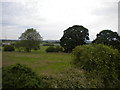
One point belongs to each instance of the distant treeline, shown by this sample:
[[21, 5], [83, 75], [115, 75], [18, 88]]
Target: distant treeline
[[10, 40]]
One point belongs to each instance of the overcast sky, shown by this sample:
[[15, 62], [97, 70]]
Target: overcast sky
[[51, 17]]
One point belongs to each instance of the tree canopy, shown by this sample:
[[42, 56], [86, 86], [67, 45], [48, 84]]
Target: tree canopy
[[108, 37], [30, 39], [74, 36], [31, 34]]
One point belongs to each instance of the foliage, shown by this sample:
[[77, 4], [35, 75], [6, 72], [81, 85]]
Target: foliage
[[48, 44], [74, 36], [30, 39], [99, 61], [20, 76], [50, 49], [40, 61], [8, 48], [71, 78], [59, 49], [18, 46], [108, 37], [51, 64], [54, 49], [37, 48]]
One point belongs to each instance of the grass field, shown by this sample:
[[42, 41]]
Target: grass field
[[39, 61]]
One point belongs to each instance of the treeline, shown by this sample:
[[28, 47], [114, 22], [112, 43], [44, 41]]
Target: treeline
[[79, 35], [72, 37]]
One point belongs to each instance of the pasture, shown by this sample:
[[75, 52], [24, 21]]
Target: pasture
[[40, 61]]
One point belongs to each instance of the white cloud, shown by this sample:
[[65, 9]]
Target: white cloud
[[52, 17]]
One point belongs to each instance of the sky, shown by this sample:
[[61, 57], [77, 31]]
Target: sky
[[119, 17], [51, 17]]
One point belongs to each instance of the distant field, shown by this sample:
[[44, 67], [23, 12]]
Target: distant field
[[39, 61]]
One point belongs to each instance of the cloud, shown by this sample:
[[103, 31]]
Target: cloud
[[52, 17], [17, 13]]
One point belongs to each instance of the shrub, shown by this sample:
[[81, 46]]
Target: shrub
[[48, 44], [20, 76], [59, 49], [99, 61], [8, 48], [71, 78], [37, 48], [50, 49], [54, 49]]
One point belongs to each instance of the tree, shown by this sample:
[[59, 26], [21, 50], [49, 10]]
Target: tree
[[108, 37], [18, 45], [74, 36], [30, 39]]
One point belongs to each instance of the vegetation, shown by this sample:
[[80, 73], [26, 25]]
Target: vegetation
[[48, 44], [71, 78], [59, 49], [8, 48], [20, 76], [108, 37], [51, 49], [68, 78], [99, 61], [18, 46], [74, 36], [56, 71], [39, 61], [30, 39], [91, 66], [54, 49]]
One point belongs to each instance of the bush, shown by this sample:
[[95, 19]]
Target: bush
[[8, 48], [54, 49], [48, 44], [50, 49], [71, 78], [59, 49], [37, 48], [20, 76], [99, 61]]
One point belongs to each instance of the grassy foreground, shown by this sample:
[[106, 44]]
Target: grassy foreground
[[40, 61]]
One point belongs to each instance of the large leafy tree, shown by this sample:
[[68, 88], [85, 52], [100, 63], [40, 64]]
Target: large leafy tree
[[30, 39], [74, 36], [108, 37]]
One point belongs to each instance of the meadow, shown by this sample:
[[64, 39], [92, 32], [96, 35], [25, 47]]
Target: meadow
[[55, 70], [40, 61]]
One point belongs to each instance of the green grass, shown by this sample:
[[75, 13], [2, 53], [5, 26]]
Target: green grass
[[39, 61]]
